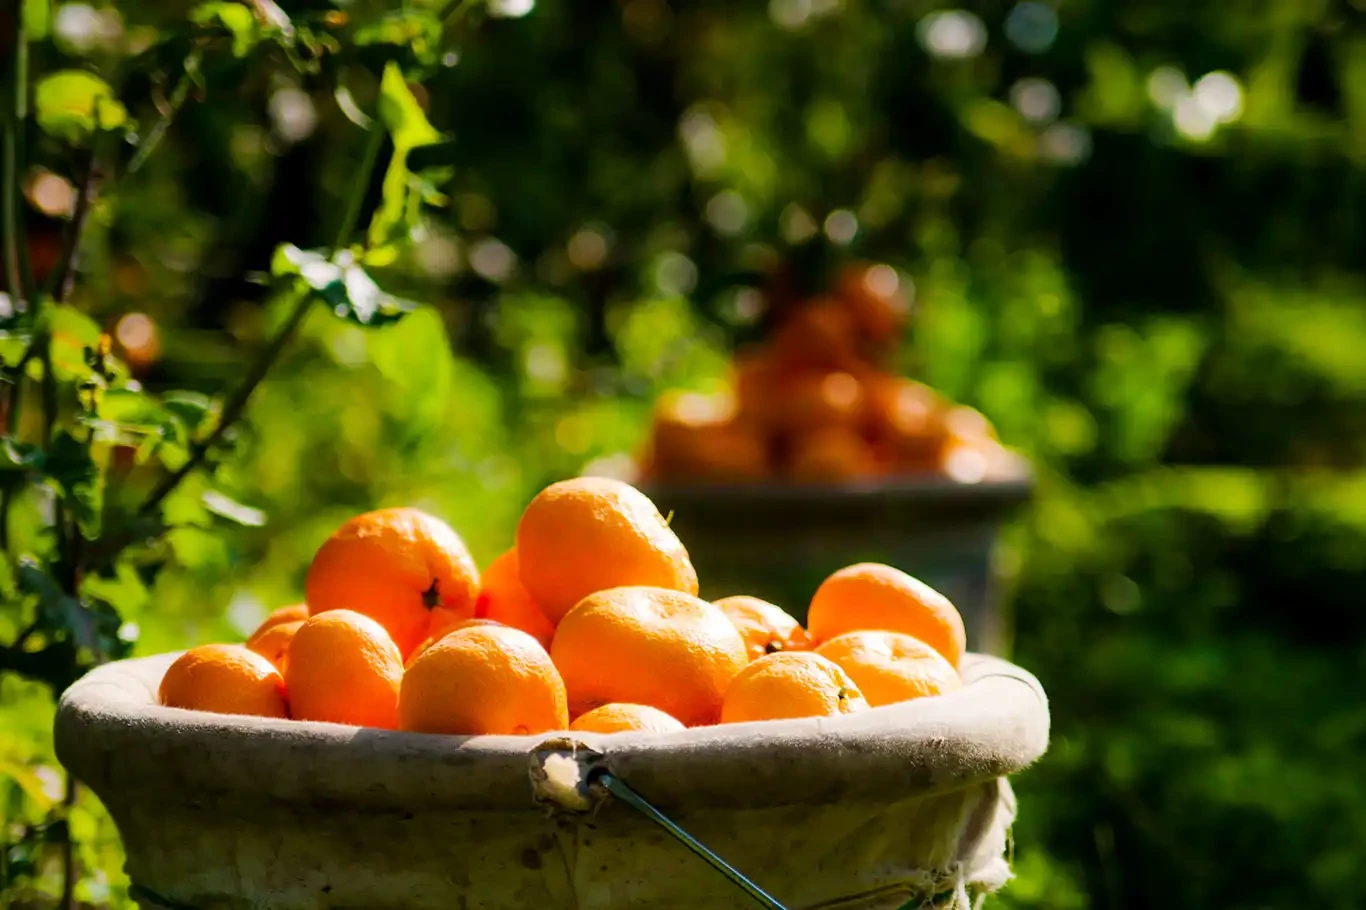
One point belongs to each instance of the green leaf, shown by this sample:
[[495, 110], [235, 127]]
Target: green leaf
[[129, 408], [19, 456], [234, 17], [343, 284], [417, 30], [400, 112], [73, 104], [72, 333], [37, 18], [78, 479], [192, 409]]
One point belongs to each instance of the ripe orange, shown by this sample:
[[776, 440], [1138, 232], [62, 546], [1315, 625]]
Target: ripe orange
[[623, 718], [291, 613], [791, 684], [890, 667], [820, 333], [272, 642], [225, 679], [483, 680], [447, 630], [830, 455], [766, 628], [756, 378], [503, 598], [396, 566], [875, 296], [343, 667], [906, 416], [590, 534], [727, 451], [874, 596], [814, 400], [648, 646]]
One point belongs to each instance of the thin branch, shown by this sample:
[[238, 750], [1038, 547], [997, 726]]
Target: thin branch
[[16, 251], [455, 10], [357, 195], [64, 275], [179, 95], [232, 411]]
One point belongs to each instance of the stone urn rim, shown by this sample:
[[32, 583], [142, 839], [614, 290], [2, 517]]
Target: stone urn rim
[[111, 733]]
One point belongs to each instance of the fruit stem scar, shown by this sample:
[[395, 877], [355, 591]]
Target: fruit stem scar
[[431, 598]]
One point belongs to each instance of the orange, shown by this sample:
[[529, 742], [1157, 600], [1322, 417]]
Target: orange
[[272, 642], [443, 632], [344, 668], [791, 684], [590, 534], [908, 417], [483, 680], [623, 718], [503, 598], [724, 452], [225, 679], [697, 436], [967, 424], [756, 378], [766, 628], [396, 566], [814, 400], [821, 333], [874, 596], [292, 613], [830, 455], [875, 297], [889, 667], [648, 646]]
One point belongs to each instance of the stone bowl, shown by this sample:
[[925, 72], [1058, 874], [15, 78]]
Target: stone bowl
[[897, 805]]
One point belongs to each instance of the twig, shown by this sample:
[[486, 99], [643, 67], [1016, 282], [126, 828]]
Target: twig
[[179, 94], [64, 275], [16, 251], [455, 10], [232, 411], [357, 195]]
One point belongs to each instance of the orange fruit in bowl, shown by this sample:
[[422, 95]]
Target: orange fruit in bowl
[[820, 333], [890, 667], [791, 684], [732, 451], [224, 679], [765, 627], [291, 613], [648, 646], [344, 668], [589, 534], [756, 377], [399, 567], [908, 417], [624, 718], [879, 597], [446, 630], [503, 598], [480, 680], [815, 400], [272, 642], [831, 455], [876, 298]]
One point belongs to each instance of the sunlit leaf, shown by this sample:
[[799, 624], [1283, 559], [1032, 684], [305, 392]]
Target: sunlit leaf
[[19, 456], [73, 104], [78, 480], [236, 18], [415, 29], [401, 113], [343, 284]]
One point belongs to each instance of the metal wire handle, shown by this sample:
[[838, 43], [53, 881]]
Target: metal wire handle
[[621, 791]]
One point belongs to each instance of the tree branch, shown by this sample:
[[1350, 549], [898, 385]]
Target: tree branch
[[64, 275], [16, 251]]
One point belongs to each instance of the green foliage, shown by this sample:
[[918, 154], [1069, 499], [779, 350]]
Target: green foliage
[[73, 105]]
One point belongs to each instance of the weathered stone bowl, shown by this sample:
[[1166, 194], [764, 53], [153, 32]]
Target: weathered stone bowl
[[780, 540], [894, 806]]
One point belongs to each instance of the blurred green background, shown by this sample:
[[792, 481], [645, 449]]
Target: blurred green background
[[1135, 234]]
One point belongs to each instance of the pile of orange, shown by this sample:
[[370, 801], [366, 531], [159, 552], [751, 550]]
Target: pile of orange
[[816, 404], [590, 622]]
